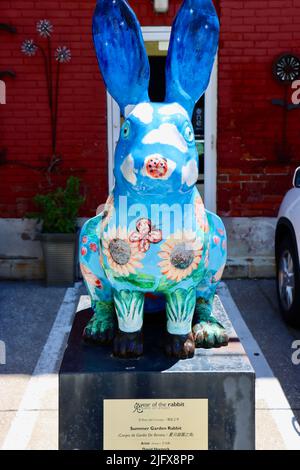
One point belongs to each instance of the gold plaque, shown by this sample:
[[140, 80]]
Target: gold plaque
[[175, 424]]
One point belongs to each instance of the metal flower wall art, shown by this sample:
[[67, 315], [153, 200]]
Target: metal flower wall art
[[61, 55], [154, 246]]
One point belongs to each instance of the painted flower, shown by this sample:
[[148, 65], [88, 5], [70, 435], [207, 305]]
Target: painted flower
[[145, 235], [201, 214], [107, 212], [216, 240], [122, 255], [90, 277], [44, 28], [29, 47], [83, 251], [93, 247], [84, 239], [63, 54], [181, 254]]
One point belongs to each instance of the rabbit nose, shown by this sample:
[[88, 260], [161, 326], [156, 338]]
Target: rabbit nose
[[156, 167]]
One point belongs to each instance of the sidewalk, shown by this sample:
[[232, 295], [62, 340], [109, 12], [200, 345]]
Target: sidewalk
[[29, 313], [29, 380]]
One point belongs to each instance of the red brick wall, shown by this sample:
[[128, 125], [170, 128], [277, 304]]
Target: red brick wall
[[25, 129], [25, 125], [251, 180]]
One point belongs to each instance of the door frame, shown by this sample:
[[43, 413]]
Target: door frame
[[162, 33]]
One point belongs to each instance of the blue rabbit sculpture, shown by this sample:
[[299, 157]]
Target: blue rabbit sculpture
[[154, 244]]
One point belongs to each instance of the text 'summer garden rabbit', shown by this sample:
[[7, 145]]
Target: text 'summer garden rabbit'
[[154, 240]]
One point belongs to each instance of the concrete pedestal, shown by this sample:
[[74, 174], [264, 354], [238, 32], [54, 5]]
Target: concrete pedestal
[[90, 374]]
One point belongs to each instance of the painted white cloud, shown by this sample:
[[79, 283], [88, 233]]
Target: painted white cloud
[[166, 134], [144, 112], [190, 173], [173, 108], [170, 164], [128, 170]]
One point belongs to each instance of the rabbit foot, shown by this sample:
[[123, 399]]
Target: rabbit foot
[[128, 345], [180, 346], [99, 332], [210, 334]]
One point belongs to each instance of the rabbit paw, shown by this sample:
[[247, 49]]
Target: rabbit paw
[[99, 332], [180, 346], [128, 345], [210, 334]]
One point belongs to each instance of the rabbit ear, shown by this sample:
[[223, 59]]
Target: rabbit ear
[[121, 53], [193, 45]]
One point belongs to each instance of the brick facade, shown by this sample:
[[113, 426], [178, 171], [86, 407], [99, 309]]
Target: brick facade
[[251, 180]]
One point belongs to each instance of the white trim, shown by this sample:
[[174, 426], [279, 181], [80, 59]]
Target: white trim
[[156, 33], [210, 141], [113, 131], [162, 33]]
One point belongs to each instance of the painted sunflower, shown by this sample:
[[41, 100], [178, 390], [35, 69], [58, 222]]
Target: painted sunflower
[[201, 214], [181, 253], [123, 256]]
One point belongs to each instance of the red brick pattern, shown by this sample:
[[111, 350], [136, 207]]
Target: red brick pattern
[[25, 129], [251, 180]]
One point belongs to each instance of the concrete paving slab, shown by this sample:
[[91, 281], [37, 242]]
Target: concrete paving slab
[[6, 417], [268, 436], [12, 387], [257, 302], [45, 432]]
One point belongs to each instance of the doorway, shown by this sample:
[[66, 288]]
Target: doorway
[[204, 117]]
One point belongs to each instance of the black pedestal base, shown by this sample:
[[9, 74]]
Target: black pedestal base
[[90, 374]]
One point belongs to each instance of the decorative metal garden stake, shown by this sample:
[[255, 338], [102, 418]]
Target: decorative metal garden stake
[[154, 237], [62, 55]]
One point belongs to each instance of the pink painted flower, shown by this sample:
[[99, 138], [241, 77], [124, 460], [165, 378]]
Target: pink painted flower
[[93, 247], [90, 277], [98, 284], [83, 251], [221, 231], [224, 245], [216, 240], [84, 239], [145, 235]]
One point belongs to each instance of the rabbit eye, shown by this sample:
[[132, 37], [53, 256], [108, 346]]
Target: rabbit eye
[[126, 130], [188, 134]]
